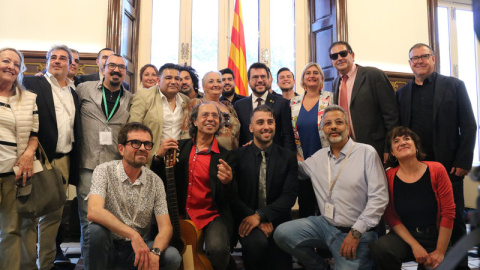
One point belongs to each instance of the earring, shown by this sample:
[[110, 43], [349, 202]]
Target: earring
[[390, 158]]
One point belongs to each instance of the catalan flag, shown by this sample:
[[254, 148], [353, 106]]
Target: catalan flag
[[237, 60]]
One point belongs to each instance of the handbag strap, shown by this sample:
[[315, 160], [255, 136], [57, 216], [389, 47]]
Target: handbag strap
[[43, 156]]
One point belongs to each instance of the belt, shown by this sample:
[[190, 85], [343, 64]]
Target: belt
[[59, 155], [347, 229], [424, 230], [6, 174]]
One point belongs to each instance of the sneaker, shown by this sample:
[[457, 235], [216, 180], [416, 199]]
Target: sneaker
[[61, 259]]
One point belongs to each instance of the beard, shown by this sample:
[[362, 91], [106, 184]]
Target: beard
[[338, 139], [228, 93]]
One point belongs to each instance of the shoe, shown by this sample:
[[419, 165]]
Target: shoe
[[60, 259]]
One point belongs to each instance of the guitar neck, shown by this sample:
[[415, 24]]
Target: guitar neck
[[173, 204]]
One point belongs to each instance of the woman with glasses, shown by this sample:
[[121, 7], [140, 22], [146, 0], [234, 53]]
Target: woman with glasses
[[307, 112], [18, 143], [213, 87], [148, 76], [421, 209]]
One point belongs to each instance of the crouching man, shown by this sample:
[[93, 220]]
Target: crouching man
[[123, 197]]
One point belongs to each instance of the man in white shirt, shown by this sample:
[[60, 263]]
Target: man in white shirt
[[161, 108], [58, 133]]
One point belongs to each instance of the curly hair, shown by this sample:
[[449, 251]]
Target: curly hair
[[192, 129]]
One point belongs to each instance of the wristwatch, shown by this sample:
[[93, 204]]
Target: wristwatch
[[356, 234], [156, 251]]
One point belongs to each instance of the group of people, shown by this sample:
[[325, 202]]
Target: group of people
[[241, 163]]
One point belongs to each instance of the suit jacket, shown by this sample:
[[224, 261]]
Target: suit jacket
[[454, 124], [282, 184], [373, 108], [284, 132], [147, 108], [48, 132], [222, 194], [96, 77]]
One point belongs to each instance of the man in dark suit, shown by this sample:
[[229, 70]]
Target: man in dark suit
[[102, 56], [266, 193], [438, 109], [258, 77], [59, 133], [203, 180], [367, 96]]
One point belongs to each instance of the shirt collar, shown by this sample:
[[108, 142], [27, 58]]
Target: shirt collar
[[263, 97], [257, 150], [213, 147], [141, 180], [100, 85], [352, 72], [178, 98], [344, 150], [54, 81]]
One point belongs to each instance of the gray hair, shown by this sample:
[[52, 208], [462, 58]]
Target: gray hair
[[19, 80], [63, 48], [331, 108], [192, 129], [205, 76]]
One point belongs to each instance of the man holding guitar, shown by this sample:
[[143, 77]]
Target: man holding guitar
[[123, 197], [203, 183]]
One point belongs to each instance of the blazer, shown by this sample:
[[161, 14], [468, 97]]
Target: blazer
[[222, 194], [373, 108], [96, 77], [282, 184], [454, 125], [284, 132], [48, 132], [147, 108]]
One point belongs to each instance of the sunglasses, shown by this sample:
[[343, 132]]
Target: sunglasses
[[334, 56], [137, 144]]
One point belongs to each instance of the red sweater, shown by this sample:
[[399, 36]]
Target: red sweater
[[442, 187]]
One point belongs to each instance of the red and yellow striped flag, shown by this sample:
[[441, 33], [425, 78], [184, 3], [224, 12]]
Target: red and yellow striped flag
[[237, 60]]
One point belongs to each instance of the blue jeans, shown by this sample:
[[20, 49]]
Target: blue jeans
[[83, 188], [102, 252], [300, 237]]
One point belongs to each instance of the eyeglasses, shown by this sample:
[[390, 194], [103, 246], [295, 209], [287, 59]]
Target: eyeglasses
[[334, 56], [261, 77], [112, 66], [137, 144], [424, 57]]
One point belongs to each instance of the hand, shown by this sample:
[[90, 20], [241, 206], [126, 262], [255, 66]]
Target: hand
[[420, 254], [385, 158], [39, 74], [267, 228], [248, 224], [25, 164], [434, 259], [142, 252], [299, 158], [458, 171], [167, 144], [349, 247], [154, 261], [248, 143], [224, 173]]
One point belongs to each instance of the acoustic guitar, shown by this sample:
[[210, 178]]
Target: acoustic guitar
[[187, 239]]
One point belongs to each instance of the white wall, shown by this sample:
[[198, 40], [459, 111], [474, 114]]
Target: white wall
[[382, 31], [37, 25]]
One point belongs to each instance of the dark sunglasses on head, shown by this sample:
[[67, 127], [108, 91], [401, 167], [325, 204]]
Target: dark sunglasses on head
[[137, 144], [334, 56]]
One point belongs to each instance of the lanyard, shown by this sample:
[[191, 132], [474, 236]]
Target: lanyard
[[105, 104], [124, 201], [330, 185]]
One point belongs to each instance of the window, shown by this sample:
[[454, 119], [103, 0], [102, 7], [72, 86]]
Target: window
[[459, 51], [197, 33]]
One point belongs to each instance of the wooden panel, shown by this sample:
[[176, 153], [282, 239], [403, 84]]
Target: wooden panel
[[398, 79], [36, 61]]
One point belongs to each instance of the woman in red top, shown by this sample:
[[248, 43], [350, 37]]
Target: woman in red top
[[422, 213]]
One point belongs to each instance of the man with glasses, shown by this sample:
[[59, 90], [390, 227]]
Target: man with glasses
[[438, 109], [104, 109], [123, 198], [366, 95], [258, 78], [204, 182], [102, 56], [162, 107]]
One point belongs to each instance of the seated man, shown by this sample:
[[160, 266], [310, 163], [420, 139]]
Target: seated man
[[203, 181], [351, 190], [123, 197], [258, 210]]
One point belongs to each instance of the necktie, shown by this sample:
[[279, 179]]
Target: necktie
[[343, 94], [262, 183], [259, 101]]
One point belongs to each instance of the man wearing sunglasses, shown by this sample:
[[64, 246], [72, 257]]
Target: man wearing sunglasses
[[102, 57], [123, 198], [438, 109], [366, 95], [104, 109]]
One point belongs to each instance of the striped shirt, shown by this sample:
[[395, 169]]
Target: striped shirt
[[8, 144]]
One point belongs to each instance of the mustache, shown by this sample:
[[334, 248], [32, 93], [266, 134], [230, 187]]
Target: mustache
[[113, 73]]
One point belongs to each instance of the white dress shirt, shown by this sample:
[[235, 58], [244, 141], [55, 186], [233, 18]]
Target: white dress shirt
[[254, 99], [172, 119]]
